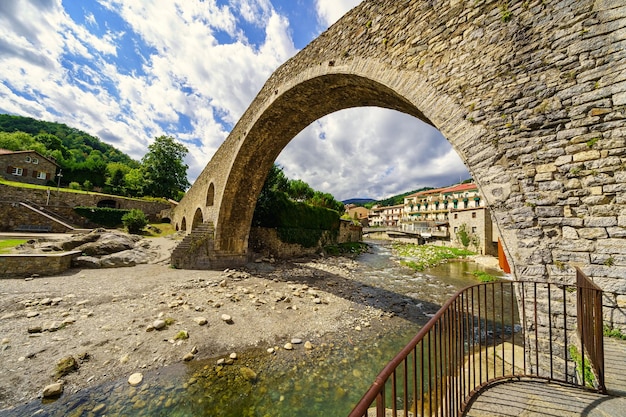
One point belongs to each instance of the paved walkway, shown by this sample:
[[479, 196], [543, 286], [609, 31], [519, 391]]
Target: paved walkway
[[536, 398]]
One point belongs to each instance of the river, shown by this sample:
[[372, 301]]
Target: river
[[328, 381]]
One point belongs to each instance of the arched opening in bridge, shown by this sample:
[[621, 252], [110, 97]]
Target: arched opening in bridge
[[378, 153], [197, 218], [262, 137], [183, 224], [210, 195]]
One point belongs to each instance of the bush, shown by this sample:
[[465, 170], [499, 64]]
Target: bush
[[107, 217], [135, 220], [74, 185]]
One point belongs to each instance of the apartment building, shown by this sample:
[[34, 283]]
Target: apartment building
[[442, 214], [386, 216]]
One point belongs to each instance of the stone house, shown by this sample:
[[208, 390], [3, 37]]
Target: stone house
[[27, 166], [358, 213]]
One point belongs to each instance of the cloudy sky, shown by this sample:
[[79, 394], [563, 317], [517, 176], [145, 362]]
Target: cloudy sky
[[128, 71]]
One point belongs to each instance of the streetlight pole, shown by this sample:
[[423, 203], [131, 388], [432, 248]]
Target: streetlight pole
[[59, 175]]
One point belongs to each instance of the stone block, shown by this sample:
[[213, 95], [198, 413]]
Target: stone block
[[600, 221], [545, 168], [619, 99], [586, 156], [544, 176], [592, 233], [616, 232]]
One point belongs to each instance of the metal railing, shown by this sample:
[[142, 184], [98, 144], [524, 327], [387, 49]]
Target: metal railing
[[590, 326], [490, 332]]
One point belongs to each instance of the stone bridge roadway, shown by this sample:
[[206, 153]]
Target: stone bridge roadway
[[531, 95]]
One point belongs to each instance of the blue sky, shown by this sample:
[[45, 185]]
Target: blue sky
[[128, 71]]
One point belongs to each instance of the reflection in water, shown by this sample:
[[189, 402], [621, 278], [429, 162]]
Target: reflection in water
[[328, 380]]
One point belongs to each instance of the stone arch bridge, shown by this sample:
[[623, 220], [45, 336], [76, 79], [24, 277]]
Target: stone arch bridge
[[531, 95]]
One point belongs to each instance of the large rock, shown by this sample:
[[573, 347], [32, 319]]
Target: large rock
[[86, 262], [78, 240], [107, 244], [116, 260]]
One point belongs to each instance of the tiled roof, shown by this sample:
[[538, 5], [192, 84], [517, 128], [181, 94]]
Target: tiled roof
[[8, 152]]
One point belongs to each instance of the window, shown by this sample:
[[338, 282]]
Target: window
[[474, 215], [456, 229], [17, 171], [35, 161], [456, 216], [474, 229], [41, 175], [27, 159]]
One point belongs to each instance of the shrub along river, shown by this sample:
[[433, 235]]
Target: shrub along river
[[326, 381]]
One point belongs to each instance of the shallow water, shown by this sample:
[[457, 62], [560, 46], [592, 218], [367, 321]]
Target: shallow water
[[328, 380]]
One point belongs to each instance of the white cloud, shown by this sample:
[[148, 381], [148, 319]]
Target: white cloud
[[200, 64], [329, 11], [371, 152]]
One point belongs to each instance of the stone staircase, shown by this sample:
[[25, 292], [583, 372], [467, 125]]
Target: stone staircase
[[193, 251]]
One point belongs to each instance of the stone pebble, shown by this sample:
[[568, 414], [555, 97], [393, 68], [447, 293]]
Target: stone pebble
[[53, 390], [135, 379]]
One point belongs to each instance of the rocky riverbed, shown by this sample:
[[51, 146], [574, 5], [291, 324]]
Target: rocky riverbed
[[88, 326]]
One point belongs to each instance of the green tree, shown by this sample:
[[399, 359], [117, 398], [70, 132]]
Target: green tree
[[165, 171], [327, 200], [134, 182], [300, 190]]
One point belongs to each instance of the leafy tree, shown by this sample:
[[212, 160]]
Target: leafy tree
[[165, 171], [300, 190], [134, 182], [327, 200]]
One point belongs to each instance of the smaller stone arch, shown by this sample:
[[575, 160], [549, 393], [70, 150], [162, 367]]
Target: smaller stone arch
[[210, 195], [197, 218], [108, 203], [183, 224]]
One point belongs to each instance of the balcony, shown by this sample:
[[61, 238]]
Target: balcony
[[507, 348]]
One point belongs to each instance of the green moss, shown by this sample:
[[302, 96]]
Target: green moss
[[420, 257], [484, 277], [7, 244], [585, 371], [182, 335], [614, 333], [65, 366], [592, 142]]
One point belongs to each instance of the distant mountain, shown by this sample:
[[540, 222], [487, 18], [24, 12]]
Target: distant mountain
[[358, 201]]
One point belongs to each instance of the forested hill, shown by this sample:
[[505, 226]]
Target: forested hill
[[69, 138], [84, 159]]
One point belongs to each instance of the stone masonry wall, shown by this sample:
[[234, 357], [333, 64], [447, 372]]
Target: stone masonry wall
[[62, 202], [531, 95], [41, 264]]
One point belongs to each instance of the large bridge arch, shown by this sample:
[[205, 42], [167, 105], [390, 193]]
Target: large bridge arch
[[532, 95]]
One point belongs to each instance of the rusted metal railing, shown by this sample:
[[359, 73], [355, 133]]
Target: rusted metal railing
[[590, 328], [489, 332]]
